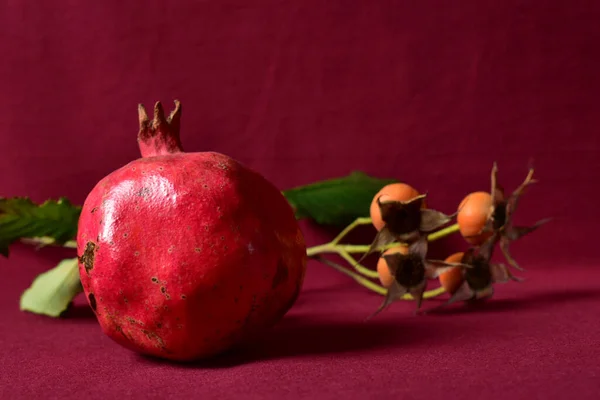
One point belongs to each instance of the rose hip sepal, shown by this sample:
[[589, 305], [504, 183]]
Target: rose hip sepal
[[406, 222], [410, 273], [500, 222]]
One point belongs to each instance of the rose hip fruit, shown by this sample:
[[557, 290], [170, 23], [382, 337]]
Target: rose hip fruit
[[473, 212], [390, 192], [451, 279], [385, 277], [183, 256]]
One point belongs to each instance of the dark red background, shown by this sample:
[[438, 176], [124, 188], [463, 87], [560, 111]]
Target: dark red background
[[430, 92]]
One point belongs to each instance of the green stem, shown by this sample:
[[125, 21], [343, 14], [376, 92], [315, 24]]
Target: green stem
[[369, 273], [347, 248], [358, 278], [443, 232], [357, 222]]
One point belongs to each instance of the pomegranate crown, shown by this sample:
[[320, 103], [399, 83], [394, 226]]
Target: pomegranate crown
[[160, 135]]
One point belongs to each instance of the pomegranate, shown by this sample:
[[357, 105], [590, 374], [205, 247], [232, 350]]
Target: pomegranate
[[185, 255]]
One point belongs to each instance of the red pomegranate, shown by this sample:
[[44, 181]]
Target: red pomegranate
[[185, 255]]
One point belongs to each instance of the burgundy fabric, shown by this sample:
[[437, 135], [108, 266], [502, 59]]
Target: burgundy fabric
[[430, 92]]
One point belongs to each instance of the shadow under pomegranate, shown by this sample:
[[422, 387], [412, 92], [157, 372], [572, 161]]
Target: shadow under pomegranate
[[298, 336]]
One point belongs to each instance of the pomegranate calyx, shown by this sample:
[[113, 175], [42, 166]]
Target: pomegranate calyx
[[159, 136]]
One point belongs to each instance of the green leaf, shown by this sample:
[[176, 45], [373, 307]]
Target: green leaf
[[21, 218], [336, 201], [52, 292]]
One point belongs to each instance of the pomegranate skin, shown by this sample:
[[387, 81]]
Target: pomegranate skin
[[185, 255]]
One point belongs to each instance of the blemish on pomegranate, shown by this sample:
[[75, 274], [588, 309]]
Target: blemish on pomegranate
[[163, 289], [92, 300], [154, 279], [94, 210], [205, 186], [89, 254], [197, 249], [160, 168], [170, 249], [133, 168], [222, 237], [281, 274], [120, 330], [158, 325], [125, 234], [136, 253], [154, 337], [183, 297]]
